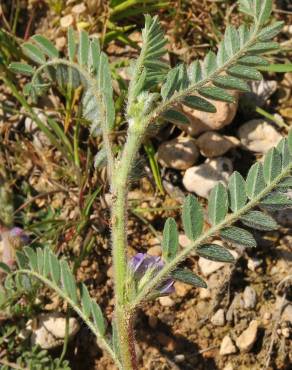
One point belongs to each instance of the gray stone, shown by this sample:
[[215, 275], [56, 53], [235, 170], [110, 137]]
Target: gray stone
[[218, 319], [180, 153], [50, 332], [261, 91], [204, 121], [286, 332], [179, 358], [287, 313], [66, 21], [212, 144], [229, 366], [253, 263], [247, 338], [166, 301], [227, 346], [284, 217], [258, 135], [40, 140], [208, 267], [249, 297], [201, 179]]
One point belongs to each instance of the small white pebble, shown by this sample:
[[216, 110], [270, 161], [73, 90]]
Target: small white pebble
[[205, 293], [78, 9], [67, 21], [267, 315], [286, 332], [166, 301], [227, 346], [267, 318], [218, 319], [179, 358], [229, 367], [254, 263]]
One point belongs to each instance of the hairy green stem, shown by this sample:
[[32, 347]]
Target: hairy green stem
[[119, 240]]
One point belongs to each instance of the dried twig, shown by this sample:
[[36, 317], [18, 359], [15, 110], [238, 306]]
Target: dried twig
[[276, 319]]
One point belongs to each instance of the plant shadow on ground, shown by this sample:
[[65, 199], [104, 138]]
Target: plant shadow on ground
[[183, 346]]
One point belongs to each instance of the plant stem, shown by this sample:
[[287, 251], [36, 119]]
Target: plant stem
[[125, 5], [119, 240]]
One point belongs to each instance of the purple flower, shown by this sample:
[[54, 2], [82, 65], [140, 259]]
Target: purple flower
[[143, 263], [17, 232], [12, 239]]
